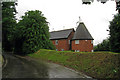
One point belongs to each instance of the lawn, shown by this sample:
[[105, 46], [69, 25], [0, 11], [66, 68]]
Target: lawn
[[94, 64], [1, 60]]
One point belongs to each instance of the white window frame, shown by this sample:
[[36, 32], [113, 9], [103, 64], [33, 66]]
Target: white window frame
[[56, 42], [91, 41], [76, 41], [92, 50], [62, 49], [68, 41], [77, 50]]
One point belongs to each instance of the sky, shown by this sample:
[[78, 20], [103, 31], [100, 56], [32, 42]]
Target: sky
[[64, 14]]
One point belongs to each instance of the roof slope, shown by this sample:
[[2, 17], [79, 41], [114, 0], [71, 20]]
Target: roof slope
[[82, 33], [62, 34]]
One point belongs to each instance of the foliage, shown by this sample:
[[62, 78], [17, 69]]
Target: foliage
[[0, 22], [94, 64], [32, 33], [104, 46], [115, 34], [8, 24]]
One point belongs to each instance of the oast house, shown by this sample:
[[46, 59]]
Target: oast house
[[69, 39]]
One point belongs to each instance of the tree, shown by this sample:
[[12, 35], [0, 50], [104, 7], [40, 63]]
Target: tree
[[8, 24], [104, 46], [115, 34], [32, 33]]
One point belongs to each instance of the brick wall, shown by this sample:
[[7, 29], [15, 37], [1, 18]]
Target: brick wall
[[64, 43], [70, 38], [83, 46]]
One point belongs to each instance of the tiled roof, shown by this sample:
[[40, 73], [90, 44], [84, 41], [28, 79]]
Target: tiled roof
[[82, 33], [62, 34]]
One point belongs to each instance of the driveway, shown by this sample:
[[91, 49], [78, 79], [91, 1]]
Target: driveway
[[22, 67]]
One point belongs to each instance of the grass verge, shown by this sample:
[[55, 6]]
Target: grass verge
[[94, 64], [1, 60]]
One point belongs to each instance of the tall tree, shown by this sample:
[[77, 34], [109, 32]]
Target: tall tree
[[8, 24], [115, 34], [33, 33]]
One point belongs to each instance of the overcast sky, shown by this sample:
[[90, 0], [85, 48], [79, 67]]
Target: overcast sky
[[64, 14]]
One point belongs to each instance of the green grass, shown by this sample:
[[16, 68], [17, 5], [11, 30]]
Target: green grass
[[1, 59], [94, 64], [0, 47]]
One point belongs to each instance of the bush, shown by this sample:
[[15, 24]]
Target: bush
[[104, 46]]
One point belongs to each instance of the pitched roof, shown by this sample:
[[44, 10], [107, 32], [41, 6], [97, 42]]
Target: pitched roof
[[82, 33], [62, 34]]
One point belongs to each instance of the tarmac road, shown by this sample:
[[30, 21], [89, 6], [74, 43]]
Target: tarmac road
[[22, 68], [17, 67]]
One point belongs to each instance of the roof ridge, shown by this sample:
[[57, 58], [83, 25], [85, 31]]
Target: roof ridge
[[62, 30]]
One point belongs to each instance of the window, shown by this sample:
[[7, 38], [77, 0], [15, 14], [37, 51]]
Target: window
[[56, 42], [92, 51], [68, 41], [62, 49], [76, 41], [77, 50], [92, 41]]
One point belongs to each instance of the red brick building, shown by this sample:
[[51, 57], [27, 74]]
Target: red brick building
[[79, 40], [62, 39], [82, 40]]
